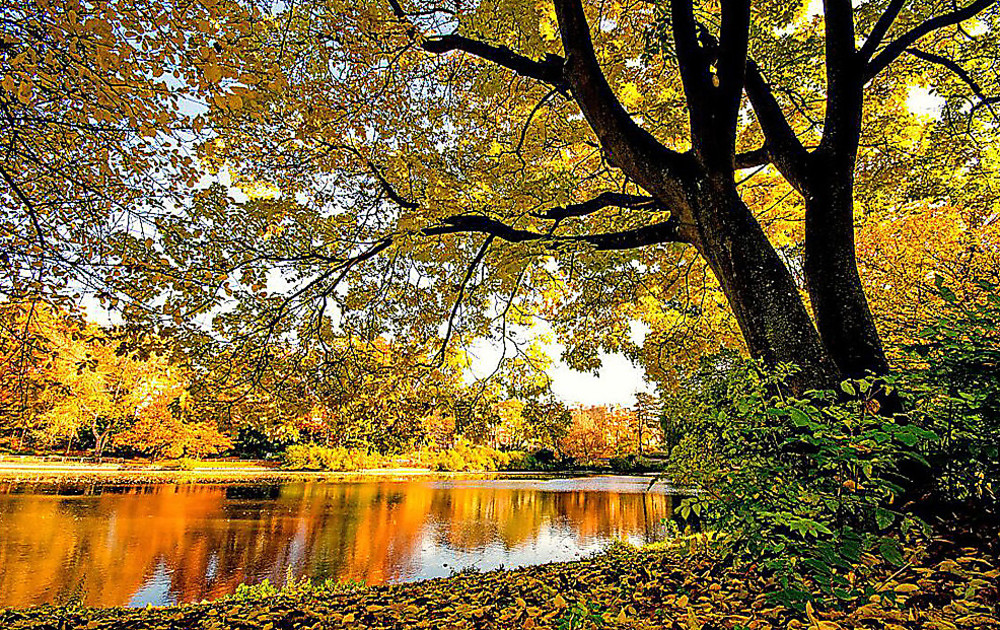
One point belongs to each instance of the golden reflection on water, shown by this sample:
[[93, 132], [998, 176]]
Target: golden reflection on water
[[106, 546]]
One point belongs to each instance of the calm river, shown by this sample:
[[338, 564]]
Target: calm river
[[157, 544]]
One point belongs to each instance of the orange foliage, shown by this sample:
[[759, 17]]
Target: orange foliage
[[601, 431], [900, 255]]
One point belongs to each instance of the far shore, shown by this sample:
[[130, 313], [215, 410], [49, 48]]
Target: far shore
[[12, 470]]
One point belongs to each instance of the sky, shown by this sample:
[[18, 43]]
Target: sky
[[615, 383]]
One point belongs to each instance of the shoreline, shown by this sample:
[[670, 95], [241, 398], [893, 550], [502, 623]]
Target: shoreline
[[125, 475]]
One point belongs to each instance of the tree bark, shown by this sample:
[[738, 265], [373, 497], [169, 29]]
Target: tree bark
[[843, 317], [761, 292]]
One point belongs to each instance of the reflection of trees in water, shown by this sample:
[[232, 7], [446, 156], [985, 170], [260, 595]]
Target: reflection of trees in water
[[106, 545]]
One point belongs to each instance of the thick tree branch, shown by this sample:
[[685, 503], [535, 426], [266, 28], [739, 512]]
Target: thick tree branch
[[783, 146], [663, 232], [753, 158], [734, 38], [390, 191], [953, 66], [484, 225], [713, 99], [668, 231], [882, 26], [898, 46], [630, 147], [693, 60], [604, 200], [842, 121], [549, 70]]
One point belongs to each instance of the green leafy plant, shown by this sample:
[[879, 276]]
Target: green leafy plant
[[804, 487], [634, 464], [293, 587], [953, 377]]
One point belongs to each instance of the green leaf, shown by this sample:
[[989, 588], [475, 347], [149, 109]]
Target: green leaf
[[884, 518], [800, 418], [891, 551]]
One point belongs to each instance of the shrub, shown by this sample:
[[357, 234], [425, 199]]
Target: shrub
[[315, 457], [953, 377], [291, 588], [633, 464], [181, 463], [465, 456], [803, 487]]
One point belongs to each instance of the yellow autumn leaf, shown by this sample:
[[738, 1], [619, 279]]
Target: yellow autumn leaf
[[692, 620], [213, 73], [24, 92], [629, 95]]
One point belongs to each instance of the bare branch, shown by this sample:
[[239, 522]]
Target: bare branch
[[461, 294], [28, 206]]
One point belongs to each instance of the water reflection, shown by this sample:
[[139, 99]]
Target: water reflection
[[134, 545]]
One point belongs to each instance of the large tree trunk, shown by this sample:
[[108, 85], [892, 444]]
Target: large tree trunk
[[843, 317], [760, 289], [698, 186]]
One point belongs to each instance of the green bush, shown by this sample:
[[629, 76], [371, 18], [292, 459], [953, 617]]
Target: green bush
[[953, 378], [465, 456], [315, 457], [291, 588], [542, 460], [802, 487], [633, 464]]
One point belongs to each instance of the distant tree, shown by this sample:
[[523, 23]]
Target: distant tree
[[107, 384], [647, 412], [585, 439], [546, 422]]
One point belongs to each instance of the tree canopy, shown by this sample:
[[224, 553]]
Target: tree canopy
[[427, 170]]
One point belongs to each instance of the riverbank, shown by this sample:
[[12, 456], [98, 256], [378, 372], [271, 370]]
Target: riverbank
[[29, 471], [623, 588], [243, 475]]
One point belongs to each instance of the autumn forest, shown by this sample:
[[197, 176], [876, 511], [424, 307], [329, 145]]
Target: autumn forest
[[310, 242]]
